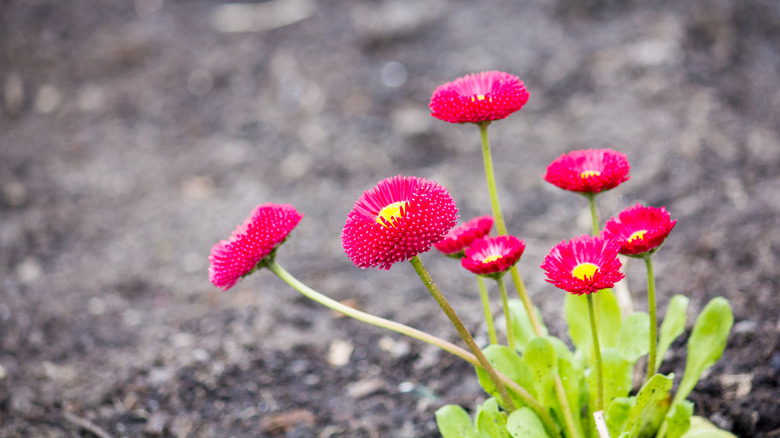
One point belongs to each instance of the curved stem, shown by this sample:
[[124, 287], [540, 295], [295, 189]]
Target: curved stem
[[486, 307], [449, 347], [462, 331], [651, 365], [510, 333], [597, 355], [367, 317]]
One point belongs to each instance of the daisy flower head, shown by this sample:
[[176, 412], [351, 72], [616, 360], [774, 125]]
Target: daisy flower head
[[639, 229], [492, 256], [396, 220], [583, 265], [462, 236], [589, 170], [478, 97], [251, 243]]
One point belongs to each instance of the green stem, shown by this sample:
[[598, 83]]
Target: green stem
[[510, 334], [651, 365], [486, 307], [462, 331], [597, 354], [594, 215], [529, 307], [491, 179], [367, 317]]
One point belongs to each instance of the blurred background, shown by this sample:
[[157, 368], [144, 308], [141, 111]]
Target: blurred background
[[134, 135]]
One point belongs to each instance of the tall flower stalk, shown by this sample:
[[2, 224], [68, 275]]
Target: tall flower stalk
[[640, 231], [585, 265]]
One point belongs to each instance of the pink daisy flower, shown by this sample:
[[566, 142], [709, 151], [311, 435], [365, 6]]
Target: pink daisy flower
[[583, 265], [251, 243], [396, 220], [588, 171], [492, 256], [478, 97], [640, 229], [460, 237]]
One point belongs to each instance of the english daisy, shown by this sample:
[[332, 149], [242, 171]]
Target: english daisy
[[478, 97], [460, 237], [589, 170], [492, 256], [251, 243], [583, 265], [640, 229], [396, 220]]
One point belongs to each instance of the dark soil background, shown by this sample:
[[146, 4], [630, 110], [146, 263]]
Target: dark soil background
[[136, 134]]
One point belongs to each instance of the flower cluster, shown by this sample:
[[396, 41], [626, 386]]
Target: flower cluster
[[404, 216]]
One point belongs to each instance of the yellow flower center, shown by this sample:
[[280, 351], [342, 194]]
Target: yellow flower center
[[638, 235], [480, 97], [491, 258], [589, 173], [584, 271], [390, 213]]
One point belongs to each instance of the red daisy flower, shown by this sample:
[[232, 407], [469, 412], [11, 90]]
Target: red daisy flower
[[460, 237], [396, 220], [258, 237], [640, 229], [588, 171], [492, 256], [478, 97], [583, 265]]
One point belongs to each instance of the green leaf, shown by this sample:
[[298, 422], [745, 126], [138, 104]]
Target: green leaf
[[678, 419], [616, 415], [490, 421], [573, 379], [608, 320], [701, 428], [706, 344], [542, 361], [523, 423], [672, 327], [454, 422], [521, 324], [652, 404], [509, 363], [634, 337]]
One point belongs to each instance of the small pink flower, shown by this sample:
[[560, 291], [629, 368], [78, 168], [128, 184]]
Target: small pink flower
[[479, 97], [460, 237], [640, 229], [583, 265], [492, 256], [258, 237], [588, 171], [396, 220]]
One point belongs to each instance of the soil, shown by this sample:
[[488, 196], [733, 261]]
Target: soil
[[136, 134]]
